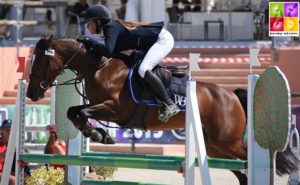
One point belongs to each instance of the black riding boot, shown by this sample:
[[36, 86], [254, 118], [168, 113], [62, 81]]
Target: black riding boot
[[168, 108]]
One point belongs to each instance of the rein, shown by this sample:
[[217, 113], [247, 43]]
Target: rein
[[104, 63], [74, 81], [70, 59]]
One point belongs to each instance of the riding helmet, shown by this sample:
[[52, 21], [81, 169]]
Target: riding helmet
[[6, 123], [98, 12]]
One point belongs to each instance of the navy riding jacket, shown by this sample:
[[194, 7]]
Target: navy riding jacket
[[117, 38]]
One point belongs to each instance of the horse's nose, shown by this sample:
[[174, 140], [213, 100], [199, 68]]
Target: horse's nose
[[31, 95]]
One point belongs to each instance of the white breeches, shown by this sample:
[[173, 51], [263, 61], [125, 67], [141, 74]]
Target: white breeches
[[157, 52]]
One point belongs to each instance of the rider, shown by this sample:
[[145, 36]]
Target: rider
[[119, 36]]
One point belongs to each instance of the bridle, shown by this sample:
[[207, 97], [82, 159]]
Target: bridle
[[45, 81]]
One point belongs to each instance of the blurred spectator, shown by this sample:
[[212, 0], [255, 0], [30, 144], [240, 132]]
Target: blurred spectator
[[5, 132], [196, 5], [187, 5], [266, 21], [79, 9], [176, 11], [49, 19], [182, 5], [4, 10], [176, 5], [49, 15], [248, 6], [55, 145], [266, 11], [121, 12]]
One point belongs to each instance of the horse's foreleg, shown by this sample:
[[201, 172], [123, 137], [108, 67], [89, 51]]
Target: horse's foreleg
[[104, 111], [80, 120], [215, 152], [73, 114], [243, 180]]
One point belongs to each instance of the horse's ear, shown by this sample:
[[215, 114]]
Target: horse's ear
[[43, 36], [50, 37]]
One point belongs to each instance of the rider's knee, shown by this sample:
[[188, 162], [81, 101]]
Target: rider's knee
[[142, 71]]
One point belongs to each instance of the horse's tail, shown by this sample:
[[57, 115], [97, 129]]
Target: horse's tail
[[242, 95], [286, 161]]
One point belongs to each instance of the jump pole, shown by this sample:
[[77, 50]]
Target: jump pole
[[15, 134], [256, 173], [194, 134]]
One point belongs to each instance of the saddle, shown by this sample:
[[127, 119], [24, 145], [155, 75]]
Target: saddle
[[163, 71], [174, 79], [166, 72]]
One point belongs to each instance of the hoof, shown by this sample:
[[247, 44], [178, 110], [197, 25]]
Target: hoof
[[86, 132], [96, 137], [107, 139]]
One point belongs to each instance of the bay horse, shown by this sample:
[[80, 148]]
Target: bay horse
[[222, 114]]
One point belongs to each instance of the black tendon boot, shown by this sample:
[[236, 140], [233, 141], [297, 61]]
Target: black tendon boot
[[168, 108]]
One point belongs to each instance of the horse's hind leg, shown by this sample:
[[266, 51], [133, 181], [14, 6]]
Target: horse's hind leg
[[80, 121], [234, 150], [215, 152], [237, 151]]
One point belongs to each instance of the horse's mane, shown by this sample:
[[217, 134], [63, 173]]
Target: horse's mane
[[43, 43]]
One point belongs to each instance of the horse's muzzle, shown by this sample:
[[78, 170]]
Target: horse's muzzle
[[35, 95]]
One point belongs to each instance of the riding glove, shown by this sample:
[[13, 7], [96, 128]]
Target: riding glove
[[93, 46]]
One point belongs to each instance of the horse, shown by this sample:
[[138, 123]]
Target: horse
[[222, 114]]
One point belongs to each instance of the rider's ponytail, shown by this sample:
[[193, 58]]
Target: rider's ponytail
[[131, 25]]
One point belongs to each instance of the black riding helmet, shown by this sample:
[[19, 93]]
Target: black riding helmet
[[98, 12]]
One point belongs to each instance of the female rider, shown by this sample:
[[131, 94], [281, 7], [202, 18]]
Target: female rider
[[119, 36]]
